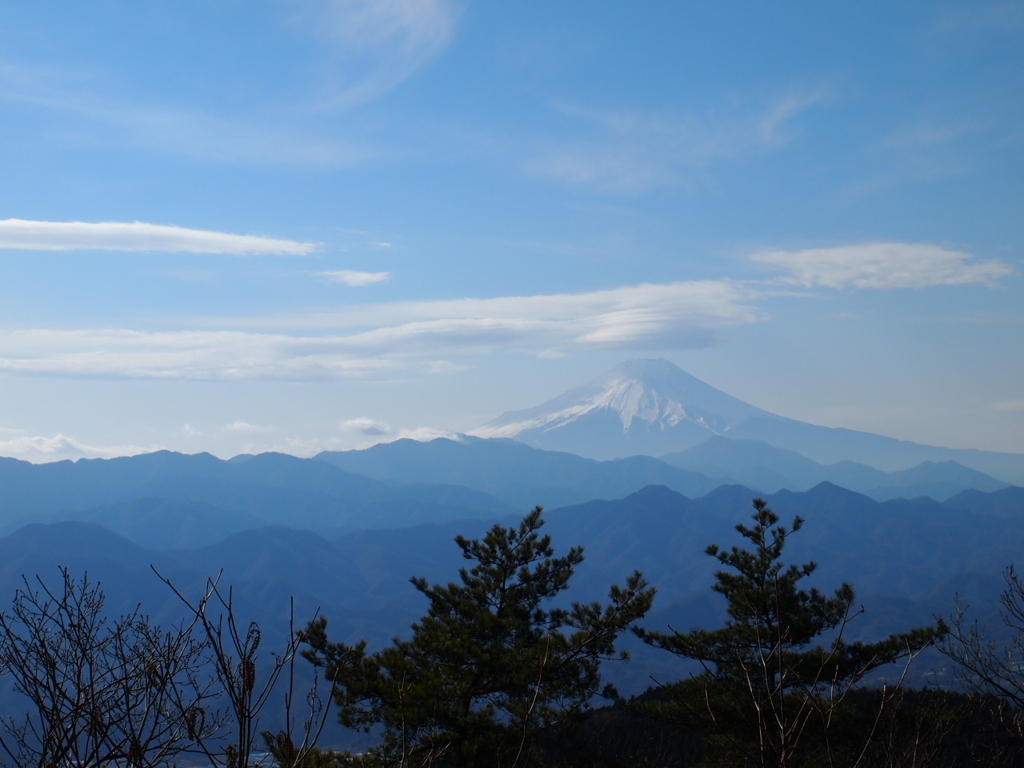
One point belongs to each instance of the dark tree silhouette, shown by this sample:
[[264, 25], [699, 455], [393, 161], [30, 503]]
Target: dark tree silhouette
[[234, 663], [986, 666], [99, 692], [490, 671], [765, 677]]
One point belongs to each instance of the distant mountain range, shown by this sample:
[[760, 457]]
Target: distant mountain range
[[910, 526], [758, 465], [907, 559], [523, 476], [653, 407], [345, 531], [516, 473], [169, 499], [166, 500]]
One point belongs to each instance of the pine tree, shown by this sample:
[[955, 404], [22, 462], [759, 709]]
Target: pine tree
[[764, 678], [490, 669]]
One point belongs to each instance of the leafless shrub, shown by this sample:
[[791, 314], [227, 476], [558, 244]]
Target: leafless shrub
[[99, 691]]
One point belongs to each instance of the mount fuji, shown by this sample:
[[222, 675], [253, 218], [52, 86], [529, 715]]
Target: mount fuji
[[639, 407], [653, 407]]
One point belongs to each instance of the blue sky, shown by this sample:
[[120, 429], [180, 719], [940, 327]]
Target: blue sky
[[304, 224]]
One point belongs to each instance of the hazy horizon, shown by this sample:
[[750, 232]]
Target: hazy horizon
[[319, 224]]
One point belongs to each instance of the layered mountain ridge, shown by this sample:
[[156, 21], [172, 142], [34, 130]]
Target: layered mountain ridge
[[908, 559], [653, 407], [342, 533]]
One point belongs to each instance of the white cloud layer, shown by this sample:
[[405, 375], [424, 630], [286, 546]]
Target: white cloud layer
[[352, 439], [354, 279], [246, 427], [426, 434], [383, 338], [630, 314], [365, 426], [883, 266], [139, 236], [39, 450], [363, 432]]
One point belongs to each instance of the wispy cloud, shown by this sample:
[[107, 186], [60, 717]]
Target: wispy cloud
[[426, 434], [352, 440], [631, 153], [376, 44], [366, 48], [360, 50], [371, 431], [247, 428], [139, 236], [933, 148], [104, 120], [187, 355], [631, 313], [352, 278], [883, 266], [930, 134], [384, 338], [39, 449], [365, 426]]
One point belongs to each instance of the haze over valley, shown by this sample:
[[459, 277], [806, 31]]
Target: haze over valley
[[909, 535], [306, 306]]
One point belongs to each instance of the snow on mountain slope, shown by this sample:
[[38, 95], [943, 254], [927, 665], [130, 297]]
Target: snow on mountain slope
[[653, 407], [652, 404]]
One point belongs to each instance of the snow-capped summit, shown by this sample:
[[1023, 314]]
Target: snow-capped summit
[[655, 408], [640, 406]]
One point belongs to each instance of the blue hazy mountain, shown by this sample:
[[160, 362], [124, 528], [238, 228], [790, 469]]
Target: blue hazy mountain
[[653, 407], [160, 523], [515, 472], [900, 547], [907, 559], [172, 500], [758, 465], [1008, 502], [166, 500], [523, 476]]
